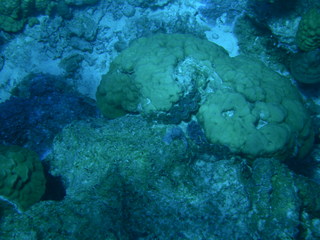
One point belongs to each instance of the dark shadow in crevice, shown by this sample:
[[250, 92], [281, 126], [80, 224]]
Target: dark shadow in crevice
[[306, 167], [266, 10], [55, 189]]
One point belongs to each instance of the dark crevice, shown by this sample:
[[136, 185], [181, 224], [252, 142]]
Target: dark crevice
[[55, 189]]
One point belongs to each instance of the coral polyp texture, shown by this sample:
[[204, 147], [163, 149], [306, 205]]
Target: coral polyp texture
[[14, 14], [308, 34], [156, 73], [255, 111], [127, 178], [239, 102], [22, 180], [305, 67]]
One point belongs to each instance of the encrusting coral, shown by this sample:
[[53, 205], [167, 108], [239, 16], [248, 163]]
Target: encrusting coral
[[22, 180], [308, 34], [14, 14]]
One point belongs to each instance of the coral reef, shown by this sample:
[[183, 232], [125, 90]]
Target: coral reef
[[81, 2], [22, 178], [305, 66], [145, 86], [149, 3], [14, 14], [238, 101], [308, 34], [41, 106], [259, 106], [123, 181], [196, 144], [155, 74]]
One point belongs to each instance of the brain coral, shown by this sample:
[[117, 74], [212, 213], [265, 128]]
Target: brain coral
[[242, 104], [256, 112], [156, 73], [308, 35], [22, 181]]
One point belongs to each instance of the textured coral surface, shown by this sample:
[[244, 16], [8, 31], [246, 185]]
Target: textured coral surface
[[22, 177], [308, 35], [241, 101]]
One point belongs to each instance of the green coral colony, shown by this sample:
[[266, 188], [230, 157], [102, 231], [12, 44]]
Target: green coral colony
[[242, 102], [22, 181]]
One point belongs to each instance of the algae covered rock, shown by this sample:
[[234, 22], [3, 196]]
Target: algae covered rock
[[127, 148], [275, 199], [149, 3], [239, 102], [305, 67], [125, 180], [14, 14], [309, 192], [83, 27], [81, 2], [22, 178], [45, 101]]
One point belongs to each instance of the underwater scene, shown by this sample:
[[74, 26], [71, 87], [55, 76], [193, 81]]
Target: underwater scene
[[159, 119]]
